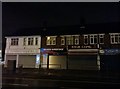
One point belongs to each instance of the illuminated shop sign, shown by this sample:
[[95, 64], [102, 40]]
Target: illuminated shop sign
[[111, 51], [51, 50]]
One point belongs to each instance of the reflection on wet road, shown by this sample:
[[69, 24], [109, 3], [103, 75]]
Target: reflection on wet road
[[63, 81]]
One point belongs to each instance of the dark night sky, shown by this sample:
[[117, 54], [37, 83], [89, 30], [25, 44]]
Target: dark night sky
[[22, 15], [18, 15]]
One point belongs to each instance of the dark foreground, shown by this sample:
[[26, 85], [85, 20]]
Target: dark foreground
[[60, 79]]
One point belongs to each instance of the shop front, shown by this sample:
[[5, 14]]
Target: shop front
[[110, 60], [83, 58], [53, 58], [73, 58]]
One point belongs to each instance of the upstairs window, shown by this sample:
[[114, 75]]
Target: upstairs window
[[62, 40], [51, 40], [30, 41], [14, 41], [115, 38], [93, 39], [101, 38], [69, 40], [119, 38], [76, 40], [85, 39], [36, 41]]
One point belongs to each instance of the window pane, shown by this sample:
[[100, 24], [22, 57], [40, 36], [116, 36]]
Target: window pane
[[116, 38], [112, 39], [36, 41], [91, 40], [76, 40], [101, 40], [48, 41], [95, 40], [69, 40], [14, 41], [85, 39], [119, 38], [62, 41], [30, 41], [51, 40]]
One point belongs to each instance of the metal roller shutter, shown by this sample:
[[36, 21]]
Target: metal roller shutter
[[82, 62], [57, 62], [27, 61]]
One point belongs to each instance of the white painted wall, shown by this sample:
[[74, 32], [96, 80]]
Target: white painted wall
[[21, 48]]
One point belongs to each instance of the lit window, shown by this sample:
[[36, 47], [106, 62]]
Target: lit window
[[14, 41], [115, 38], [51, 40], [76, 40], [36, 41], [85, 39], [101, 38], [30, 41], [93, 39], [69, 40], [62, 40]]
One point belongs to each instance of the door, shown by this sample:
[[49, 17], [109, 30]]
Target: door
[[11, 65]]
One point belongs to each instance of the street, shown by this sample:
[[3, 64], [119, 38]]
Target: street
[[60, 79]]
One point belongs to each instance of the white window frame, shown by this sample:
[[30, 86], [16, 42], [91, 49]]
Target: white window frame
[[51, 40], [14, 41], [113, 35], [92, 36], [85, 36], [62, 39], [101, 36], [31, 40], [119, 38], [77, 39]]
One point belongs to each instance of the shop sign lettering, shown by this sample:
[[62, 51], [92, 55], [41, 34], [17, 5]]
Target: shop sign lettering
[[81, 47]]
